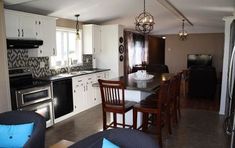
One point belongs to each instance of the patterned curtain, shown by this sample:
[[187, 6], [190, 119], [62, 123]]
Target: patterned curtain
[[136, 52]]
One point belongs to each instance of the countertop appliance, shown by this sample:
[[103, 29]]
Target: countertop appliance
[[31, 94], [230, 89]]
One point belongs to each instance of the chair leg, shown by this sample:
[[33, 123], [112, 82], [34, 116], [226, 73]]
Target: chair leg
[[168, 118], [134, 118], [145, 121], [114, 119], [175, 112], [123, 120], [104, 120], [159, 129], [178, 107]]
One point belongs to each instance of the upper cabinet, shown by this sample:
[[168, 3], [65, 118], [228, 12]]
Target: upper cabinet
[[20, 25], [91, 39]]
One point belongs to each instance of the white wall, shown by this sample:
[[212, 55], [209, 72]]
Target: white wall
[[4, 77], [109, 56], [176, 51]]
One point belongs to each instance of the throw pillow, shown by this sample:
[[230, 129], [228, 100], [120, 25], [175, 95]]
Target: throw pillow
[[15, 135], [108, 144]]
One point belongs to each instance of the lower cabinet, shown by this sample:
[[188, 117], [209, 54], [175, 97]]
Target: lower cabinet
[[85, 95]]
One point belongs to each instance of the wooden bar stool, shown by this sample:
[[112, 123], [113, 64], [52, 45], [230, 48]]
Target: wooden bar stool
[[154, 107], [113, 101]]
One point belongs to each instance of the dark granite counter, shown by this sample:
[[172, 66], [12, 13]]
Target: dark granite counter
[[142, 85], [73, 74]]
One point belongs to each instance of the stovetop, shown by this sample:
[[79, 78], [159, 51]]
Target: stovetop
[[21, 78], [24, 83]]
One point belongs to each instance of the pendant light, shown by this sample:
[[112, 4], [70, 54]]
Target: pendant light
[[77, 26], [183, 33], [144, 22]]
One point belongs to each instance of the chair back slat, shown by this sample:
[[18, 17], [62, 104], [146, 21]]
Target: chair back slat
[[112, 92]]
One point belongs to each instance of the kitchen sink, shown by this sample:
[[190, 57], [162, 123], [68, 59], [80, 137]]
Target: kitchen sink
[[88, 71]]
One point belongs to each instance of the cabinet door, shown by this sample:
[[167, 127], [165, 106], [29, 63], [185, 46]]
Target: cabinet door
[[97, 39], [87, 39], [98, 99], [79, 94], [48, 33], [27, 26], [12, 25], [90, 96]]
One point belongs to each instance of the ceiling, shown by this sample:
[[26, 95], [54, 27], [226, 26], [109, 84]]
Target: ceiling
[[206, 15]]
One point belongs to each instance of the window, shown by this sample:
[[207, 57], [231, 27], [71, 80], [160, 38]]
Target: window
[[68, 47]]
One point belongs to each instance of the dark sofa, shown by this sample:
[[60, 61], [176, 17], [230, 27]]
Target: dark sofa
[[202, 82], [124, 138], [37, 139]]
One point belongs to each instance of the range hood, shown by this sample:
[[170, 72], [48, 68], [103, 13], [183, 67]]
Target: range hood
[[23, 44]]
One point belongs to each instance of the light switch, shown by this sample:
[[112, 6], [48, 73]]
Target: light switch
[[42, 64]]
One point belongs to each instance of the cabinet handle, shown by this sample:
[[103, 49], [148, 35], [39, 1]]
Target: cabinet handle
[[39, 22], [79, 80], [86, 88], [40, 51], [22, 32], [53, 51], [75, 106], [74, 90], [18, 32]]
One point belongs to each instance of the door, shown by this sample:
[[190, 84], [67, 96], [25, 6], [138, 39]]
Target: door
[[79, 94], [90, 97]]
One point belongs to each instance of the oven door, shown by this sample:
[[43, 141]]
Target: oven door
[[33, 95], [44, 109]]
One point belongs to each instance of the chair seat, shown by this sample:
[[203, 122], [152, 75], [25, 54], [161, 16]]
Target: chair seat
[[128, 106]]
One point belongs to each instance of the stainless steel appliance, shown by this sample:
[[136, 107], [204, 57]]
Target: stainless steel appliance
[[229, 124], [31, 94]]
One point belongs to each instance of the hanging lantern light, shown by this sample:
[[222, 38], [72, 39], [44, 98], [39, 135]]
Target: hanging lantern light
[[77, 26], [183, 33], [144, 22]]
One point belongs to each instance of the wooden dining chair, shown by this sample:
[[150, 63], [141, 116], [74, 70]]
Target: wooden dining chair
[[156, 108], [178, 92], [113, 101]]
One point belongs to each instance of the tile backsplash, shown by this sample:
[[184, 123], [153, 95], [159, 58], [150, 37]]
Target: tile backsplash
[[19, 58]]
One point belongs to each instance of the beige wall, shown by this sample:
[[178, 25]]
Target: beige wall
[[4, 78], [176, 51], [67, 23]]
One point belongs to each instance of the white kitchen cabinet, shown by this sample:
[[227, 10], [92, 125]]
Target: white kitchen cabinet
[[85, 95], [91, 39], [19, 25], [46, 31], [100, 75], [79, 96]]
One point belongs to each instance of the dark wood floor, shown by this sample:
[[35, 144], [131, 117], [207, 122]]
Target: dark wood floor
[[199, 127], [210, 104]]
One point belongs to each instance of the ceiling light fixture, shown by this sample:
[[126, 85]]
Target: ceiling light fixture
[[144, 22], [77, 26], [183, 33]]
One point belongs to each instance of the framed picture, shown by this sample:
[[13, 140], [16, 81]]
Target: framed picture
[[121, 49], [121, 58], [121, 39]]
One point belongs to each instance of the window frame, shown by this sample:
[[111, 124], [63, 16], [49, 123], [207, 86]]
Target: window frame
[[65, 29]]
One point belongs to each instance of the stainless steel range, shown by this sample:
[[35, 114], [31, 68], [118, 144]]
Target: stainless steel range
[[31, 94]]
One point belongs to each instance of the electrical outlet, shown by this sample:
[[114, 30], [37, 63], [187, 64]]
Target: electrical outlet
[[87, 60], [42, 64]]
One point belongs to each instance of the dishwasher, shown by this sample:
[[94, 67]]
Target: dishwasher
[[62, 97]]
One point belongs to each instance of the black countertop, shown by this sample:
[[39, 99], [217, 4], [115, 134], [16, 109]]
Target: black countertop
[[72, 74], [142, 85]]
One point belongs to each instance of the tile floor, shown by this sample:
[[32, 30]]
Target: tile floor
[[196, 129]]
